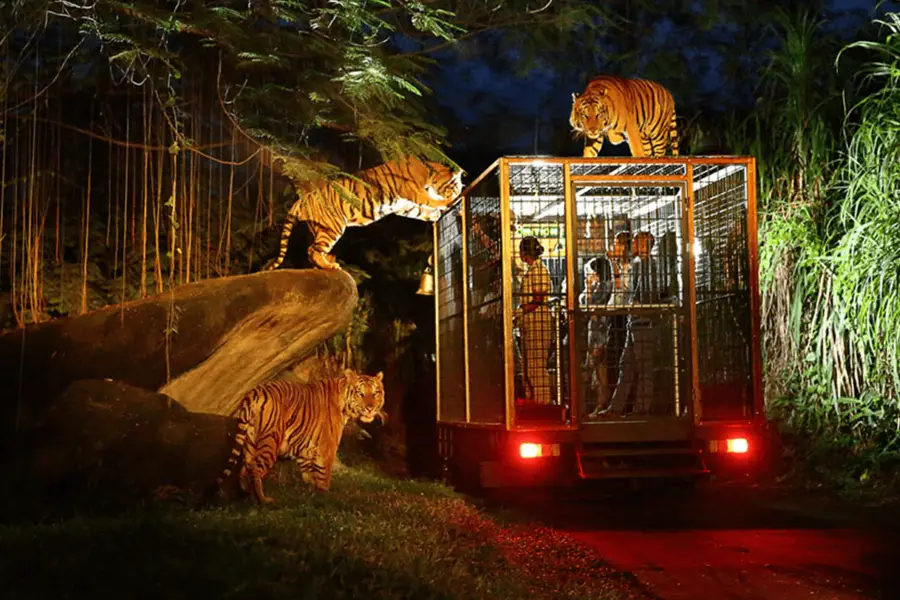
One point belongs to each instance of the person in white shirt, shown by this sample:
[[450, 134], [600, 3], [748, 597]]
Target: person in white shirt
[[535, 321]]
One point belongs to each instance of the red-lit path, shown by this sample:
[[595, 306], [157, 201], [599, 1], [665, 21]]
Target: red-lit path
[[735, 542]]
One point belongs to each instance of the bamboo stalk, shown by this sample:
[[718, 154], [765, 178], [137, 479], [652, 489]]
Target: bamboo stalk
[[220, 187], [271, 191], [34, 238], [125, 207], [208, 245], [3, 166], [13, 271], [58, 203], [188, 196], [182, 214], [160, 160], [60, 200], [259, 209], [172, 215], [116, 219], [147, 127], [109, 194], [86, 237], [230, 201]]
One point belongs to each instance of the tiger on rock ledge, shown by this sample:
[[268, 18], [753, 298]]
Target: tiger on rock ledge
[[407, 187], [304, 422], [638, 111]]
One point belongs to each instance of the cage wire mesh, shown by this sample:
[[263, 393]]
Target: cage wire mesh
[[450, 317], [487, 394], [629, 169], [629, 318], [723, 291], [631, 335], [537, 199]]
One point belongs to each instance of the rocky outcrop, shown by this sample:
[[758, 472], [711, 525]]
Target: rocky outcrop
[[204, 344], [106, 445]]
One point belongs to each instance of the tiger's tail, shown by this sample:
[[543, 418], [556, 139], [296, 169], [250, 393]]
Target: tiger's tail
[[240, 440], [673, 135], [289, 223]]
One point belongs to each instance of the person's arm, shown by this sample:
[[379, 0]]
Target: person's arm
[[634, 281], [539, 278]]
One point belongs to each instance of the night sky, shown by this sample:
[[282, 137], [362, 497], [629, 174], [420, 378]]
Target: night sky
[[474, 93]]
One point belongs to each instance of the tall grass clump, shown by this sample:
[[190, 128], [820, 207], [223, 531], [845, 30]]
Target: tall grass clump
[[830, 247], [794, 134], [865, 258]]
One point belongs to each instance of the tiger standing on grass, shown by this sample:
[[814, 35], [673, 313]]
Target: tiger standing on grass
[[300, 421], [638, 111], [408, 187]]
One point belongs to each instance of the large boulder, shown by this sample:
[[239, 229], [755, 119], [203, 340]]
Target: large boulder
[[204, 344], [106, 444]]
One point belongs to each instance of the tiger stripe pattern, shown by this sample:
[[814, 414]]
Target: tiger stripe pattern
[[638, 111], [409, 188], [303, 422]]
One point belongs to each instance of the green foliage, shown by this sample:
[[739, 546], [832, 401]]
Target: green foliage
[[830, 255], [287, 69]]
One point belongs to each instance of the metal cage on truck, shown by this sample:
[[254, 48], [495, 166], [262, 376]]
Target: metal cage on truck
[[599, 380]]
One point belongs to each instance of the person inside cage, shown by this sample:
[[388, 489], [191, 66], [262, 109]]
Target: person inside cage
[[606, 371], [486, 231], [535, 321], [636, 364], [598, 287]]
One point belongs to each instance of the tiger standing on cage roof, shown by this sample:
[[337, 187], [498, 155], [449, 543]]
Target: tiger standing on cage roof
[[638, 111], [304, 422], [408, 187]]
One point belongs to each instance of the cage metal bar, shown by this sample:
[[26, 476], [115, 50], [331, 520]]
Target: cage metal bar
[[753, 249], [463, 207], [450, 334], [537, 196], [696, 409], [474, 425], [675, 160], [506, 269], [625, 179], [571, 260], [435, 265]]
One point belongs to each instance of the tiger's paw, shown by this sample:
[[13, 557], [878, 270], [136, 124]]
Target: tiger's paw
[[324, 261]]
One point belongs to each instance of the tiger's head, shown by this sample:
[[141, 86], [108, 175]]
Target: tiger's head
[[443, 183], [592, 114], [365, 396]]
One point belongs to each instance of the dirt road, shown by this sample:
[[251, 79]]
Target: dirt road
[[734, 541]]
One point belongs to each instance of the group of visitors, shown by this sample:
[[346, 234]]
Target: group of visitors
[[626, 276]]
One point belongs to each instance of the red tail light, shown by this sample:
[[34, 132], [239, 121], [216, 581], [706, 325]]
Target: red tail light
[[531, 450], [730, 446], [737, 446]]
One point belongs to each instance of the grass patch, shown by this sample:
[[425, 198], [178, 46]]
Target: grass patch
[[370, 537]]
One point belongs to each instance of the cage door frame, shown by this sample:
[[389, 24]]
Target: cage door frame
[[687, 294]]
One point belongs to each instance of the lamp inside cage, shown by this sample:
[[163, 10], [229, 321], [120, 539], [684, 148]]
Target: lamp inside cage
[[426, 283]]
